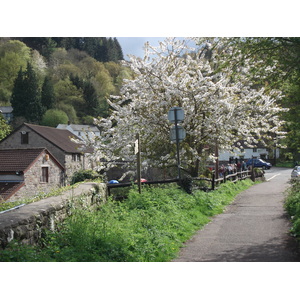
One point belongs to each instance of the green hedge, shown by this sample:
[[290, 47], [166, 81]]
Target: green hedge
[[292, 206]]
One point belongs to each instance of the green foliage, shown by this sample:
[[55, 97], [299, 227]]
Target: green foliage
[[47, 94], [5, 129], [187, 184], [13, 55], [292, 206], [82, 175], [53, 117], [56, 61], [26, 99], [146, 227], [281, 56]]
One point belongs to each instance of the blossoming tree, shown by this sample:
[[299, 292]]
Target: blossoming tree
[[219, 108]]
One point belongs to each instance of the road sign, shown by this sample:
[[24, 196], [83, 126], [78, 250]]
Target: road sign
[[181, 133], [176, 113], [136, 147]]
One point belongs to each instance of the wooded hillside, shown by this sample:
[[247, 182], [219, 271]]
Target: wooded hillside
[[60, 79]]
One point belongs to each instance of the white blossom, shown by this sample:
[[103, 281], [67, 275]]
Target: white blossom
[[217, 109]]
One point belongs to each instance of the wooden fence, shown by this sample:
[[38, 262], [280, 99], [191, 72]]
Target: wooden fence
[[213, 181]]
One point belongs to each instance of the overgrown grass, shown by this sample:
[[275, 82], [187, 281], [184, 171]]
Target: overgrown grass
[[37, 197], [292, 206], [147, 227]]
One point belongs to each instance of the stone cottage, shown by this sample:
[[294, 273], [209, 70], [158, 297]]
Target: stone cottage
[[27, 172], [71, 155]]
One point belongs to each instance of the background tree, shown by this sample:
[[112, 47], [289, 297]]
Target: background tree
[[47, 94], [13, 55], [5, 129], [275, 64], [91, 99], [26, 99], [53, 117], [66, 63], [218, 110], [44, 45]]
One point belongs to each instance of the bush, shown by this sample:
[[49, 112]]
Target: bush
[[292, 206], [83, 175], [53, 117]]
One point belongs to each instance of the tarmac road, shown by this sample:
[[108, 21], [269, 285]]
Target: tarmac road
[[254, 228]]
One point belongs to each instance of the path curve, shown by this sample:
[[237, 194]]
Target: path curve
[[254, 227]]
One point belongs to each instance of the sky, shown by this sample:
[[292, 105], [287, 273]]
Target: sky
[[134, 45]]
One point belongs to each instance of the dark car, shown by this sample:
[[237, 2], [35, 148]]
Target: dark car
[[258, 163]]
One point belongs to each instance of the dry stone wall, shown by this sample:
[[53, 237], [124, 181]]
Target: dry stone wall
[[27, 223]]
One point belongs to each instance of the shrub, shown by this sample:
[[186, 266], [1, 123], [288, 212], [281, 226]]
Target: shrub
[[82, 175], [292, 206], [53, 117]]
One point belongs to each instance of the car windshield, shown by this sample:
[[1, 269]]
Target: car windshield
[[297, 169]]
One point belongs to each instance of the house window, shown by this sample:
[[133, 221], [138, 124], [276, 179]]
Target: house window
[[24, 137], [76, 157], [45, 174], [254, 149]]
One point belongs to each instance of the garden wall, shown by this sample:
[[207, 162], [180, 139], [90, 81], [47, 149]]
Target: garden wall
[[27, 223]]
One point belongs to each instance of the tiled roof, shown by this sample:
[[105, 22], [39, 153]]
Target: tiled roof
[[59, 137], [79, 127], [8, 188], [12, 160]]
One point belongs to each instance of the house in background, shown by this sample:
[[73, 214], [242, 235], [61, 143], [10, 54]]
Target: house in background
[[7, 114], [246, 153], [80, 131], [27, 172], [71, 155]]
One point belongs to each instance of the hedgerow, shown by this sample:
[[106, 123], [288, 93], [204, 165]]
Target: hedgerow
[[292, 206]]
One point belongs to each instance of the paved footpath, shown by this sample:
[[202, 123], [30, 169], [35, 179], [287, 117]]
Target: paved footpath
[[255, 228]]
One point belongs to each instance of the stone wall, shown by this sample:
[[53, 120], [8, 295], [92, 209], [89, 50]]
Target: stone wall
[[27, 223], [34, 141], [37, 141], [33, 179]]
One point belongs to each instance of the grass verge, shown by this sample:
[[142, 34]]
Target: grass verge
[[147, 227]]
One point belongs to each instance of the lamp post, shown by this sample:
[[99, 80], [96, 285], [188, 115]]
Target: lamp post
[[177, 133]]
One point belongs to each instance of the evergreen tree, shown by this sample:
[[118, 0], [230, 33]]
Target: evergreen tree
[[77, 81], [26, 99], [16, 101], [32, 96], [48, 95], [44, 45], [90, 96], [120, 55]]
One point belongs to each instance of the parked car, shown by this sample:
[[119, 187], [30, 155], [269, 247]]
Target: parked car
[[296, 173], [258, 163]]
